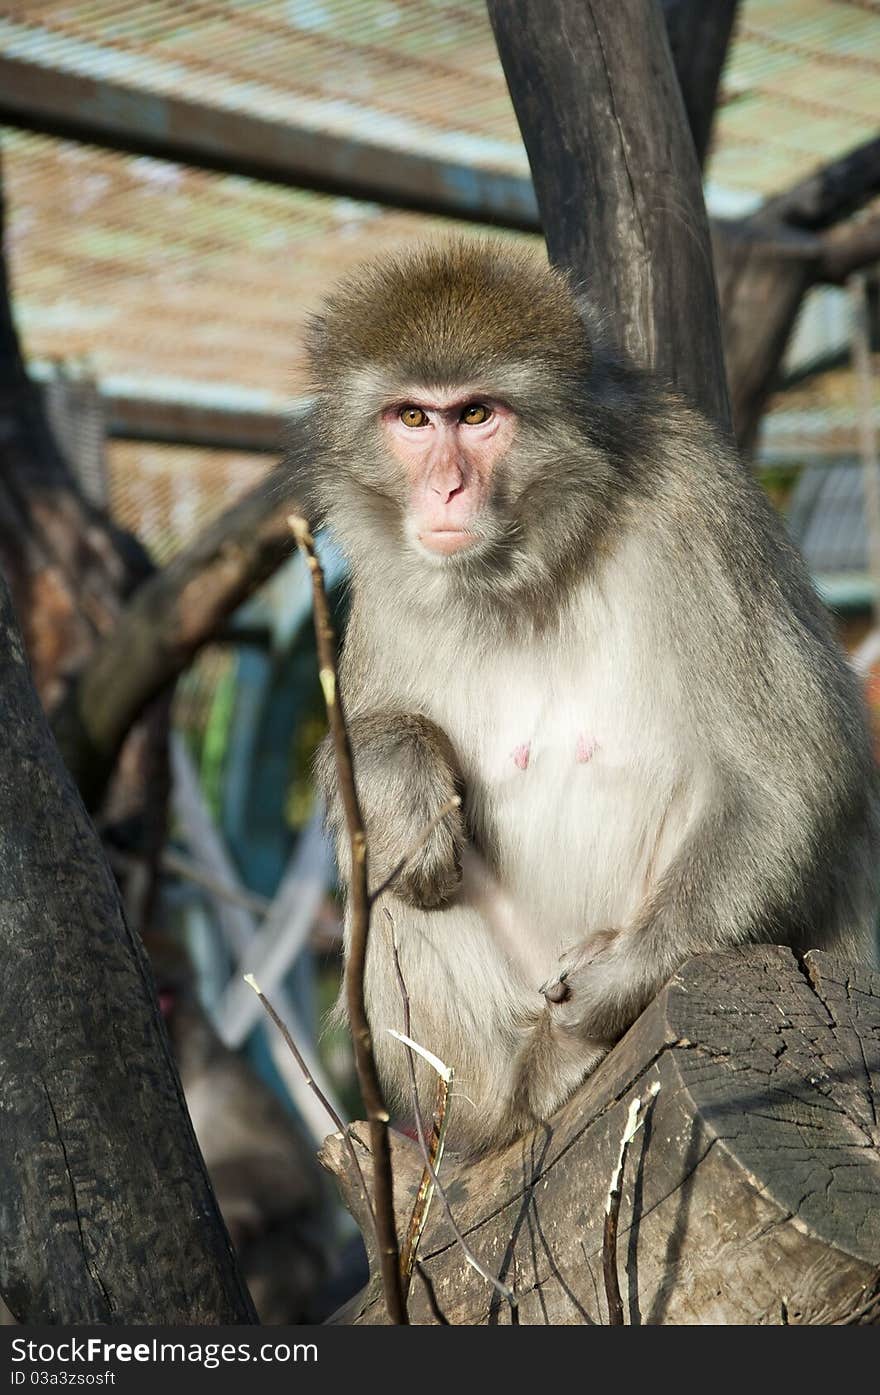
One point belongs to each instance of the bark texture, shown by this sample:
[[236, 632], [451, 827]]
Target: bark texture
[[749, 1195], [617, 178], [107, 1215]]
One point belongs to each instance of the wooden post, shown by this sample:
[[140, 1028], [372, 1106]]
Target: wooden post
[[617, 178], [107, 1214]]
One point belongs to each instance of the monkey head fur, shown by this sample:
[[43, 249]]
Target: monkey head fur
[[508, 328]]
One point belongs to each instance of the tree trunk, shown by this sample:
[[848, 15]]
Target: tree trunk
[[107, 1213], [617, 178], [699, 33], [749, 1194]]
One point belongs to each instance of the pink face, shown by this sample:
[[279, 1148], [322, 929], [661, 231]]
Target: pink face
[[447, 444]]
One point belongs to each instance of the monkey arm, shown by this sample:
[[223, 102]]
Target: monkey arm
[[707, 898], [781, 848], [405, 770], [752, 869]]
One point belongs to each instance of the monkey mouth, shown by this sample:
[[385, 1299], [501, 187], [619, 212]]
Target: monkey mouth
[[446, 541]]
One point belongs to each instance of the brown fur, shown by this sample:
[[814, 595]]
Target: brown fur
[[478, 311]]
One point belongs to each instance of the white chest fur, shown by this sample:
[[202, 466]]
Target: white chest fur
[[579, 765]]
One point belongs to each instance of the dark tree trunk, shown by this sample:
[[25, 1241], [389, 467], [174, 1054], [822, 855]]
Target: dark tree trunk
[[107, 1214], [699, 34], [617, 178]]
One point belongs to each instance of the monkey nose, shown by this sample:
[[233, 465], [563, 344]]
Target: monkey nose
[[447, 490]]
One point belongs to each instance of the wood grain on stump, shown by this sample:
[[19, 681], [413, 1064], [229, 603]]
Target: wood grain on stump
[[751, 1194]]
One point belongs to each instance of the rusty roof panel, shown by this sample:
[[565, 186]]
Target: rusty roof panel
[[173, 282], [423, 75], [177, 283]]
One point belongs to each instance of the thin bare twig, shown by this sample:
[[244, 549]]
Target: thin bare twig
[[431, 1149], [612, 1211], [443, 812], [445, 1075], [315, 1088], [181, 866], [359, 905]]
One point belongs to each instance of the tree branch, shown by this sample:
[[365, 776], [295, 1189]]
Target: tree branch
[[834, 192], [356, 959], [849, 249], [167, 621]]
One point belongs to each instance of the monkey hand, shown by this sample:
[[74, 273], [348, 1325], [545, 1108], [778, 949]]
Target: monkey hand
[[405, 771], [591, 993], [431, 876]]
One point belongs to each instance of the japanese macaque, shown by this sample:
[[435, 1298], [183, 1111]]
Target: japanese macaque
[[573, 607]]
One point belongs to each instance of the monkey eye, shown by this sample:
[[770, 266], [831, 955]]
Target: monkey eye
[[413, 416], [475, 414]]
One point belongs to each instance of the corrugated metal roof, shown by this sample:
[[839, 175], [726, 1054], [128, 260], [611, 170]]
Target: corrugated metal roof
[[177, 283], [826, 518], [423, 75], [174, 282]]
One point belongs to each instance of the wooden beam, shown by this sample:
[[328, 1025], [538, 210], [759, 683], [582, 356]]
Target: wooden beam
[[190, 424], [617, 179], [104, 113]]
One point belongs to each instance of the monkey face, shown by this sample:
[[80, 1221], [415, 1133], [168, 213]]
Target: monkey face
[[446, 444], [448, 427]]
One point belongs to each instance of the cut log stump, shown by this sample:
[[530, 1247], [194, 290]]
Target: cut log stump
[[751, 1194]]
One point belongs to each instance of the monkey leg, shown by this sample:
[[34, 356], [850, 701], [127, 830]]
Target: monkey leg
[[476, 1010], [552, 1063]]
